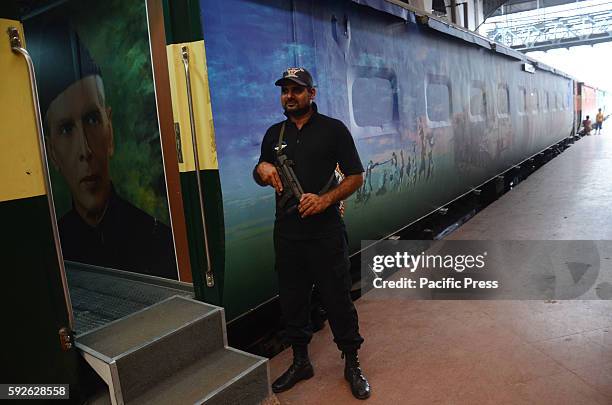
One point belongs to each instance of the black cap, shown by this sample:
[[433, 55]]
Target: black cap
[[296, 75], [60, 59]]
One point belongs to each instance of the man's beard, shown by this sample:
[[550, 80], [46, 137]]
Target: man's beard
[[299, 112]]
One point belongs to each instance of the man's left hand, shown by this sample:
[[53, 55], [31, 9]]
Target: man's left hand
[[311, 204]]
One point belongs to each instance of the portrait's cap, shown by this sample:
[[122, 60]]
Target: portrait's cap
[[295, 75], [60, 59]]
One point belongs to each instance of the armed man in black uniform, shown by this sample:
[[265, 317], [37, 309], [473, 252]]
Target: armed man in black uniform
[[310, 240]]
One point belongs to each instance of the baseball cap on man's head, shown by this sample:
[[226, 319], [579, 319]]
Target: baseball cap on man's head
[[295, 75]]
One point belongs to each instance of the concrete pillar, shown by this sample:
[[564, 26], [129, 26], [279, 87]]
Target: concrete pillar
[[424, 5], [455, 13]]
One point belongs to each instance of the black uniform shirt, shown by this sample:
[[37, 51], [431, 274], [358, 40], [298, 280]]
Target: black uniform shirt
[[315, 150], [127, 238]]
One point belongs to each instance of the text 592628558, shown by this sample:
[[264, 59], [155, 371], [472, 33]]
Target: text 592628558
[[34, 391]]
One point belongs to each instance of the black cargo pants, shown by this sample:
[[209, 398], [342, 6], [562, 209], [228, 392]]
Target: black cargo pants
[[323, 262]]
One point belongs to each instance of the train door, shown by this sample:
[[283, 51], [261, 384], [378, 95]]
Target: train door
[[248, 45], [577, 106], [187, 81], [130, 222], [37, 309]]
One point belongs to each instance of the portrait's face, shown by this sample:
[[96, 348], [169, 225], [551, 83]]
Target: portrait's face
[[296, 98], [80, 143]]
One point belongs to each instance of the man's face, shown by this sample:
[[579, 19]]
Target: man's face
[[81, 143], [296, 98]]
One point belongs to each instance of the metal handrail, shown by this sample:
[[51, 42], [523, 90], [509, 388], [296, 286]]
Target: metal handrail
[[210, 280], [16, 47]]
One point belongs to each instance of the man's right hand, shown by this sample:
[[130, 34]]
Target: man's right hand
[[268, 174]]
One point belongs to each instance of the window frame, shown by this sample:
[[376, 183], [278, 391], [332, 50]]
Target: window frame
[[483, 116], [443, 80], [363, 132], [522, 101], [534, 96], [506, 90]]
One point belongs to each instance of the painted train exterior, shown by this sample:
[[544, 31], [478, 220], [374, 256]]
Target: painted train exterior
[[434, 111]]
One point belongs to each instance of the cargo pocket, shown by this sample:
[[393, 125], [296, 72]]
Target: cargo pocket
[[340, 260]]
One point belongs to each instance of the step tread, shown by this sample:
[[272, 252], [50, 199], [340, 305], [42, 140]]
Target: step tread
[[100, 296], [195, 382], [142, 327]]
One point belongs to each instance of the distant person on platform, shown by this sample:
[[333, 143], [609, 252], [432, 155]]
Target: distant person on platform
[[586, 126], [599, 119], [102, 228]]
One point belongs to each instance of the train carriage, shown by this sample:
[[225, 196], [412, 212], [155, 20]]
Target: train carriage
[[435, 111], [433, 115]]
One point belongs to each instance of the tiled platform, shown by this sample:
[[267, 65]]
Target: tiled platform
[[492, 352]]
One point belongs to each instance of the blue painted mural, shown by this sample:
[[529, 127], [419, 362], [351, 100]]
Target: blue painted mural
[[433, 116]]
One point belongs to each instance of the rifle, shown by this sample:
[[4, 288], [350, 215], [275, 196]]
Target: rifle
[[291, 184]]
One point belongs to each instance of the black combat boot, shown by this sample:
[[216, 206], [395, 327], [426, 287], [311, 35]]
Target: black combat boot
[[299, 370], [353, 374]]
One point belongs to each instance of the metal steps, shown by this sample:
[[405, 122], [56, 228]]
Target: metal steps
[[174, 352], [101, 295], [237, 378]]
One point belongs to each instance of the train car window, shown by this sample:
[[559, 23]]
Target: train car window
[[367, 83], [535, 101], [438, 99], [478, 102], [367, 113], [522, 100], [563, 104], [546, 101], [553, 105], [503, 100], [563, 101]]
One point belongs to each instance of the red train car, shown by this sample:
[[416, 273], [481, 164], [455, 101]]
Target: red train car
[[589, 100]]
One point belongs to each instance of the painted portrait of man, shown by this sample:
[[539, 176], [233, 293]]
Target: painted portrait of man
[[100, 227]]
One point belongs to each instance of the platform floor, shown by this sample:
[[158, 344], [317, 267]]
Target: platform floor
[[492, 352]]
